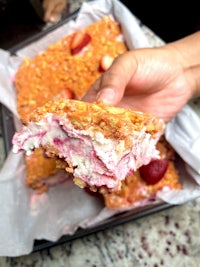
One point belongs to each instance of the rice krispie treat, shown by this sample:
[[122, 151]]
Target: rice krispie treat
[[70, 65], [100, 144]]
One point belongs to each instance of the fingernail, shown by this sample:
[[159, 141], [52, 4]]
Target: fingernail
[[107, 96], [52, 19]]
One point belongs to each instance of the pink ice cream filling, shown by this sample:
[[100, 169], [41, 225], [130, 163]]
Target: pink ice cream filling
[[97, 160]]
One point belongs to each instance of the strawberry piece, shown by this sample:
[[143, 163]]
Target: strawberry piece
[[105, 62], [68, 93], [79, 41], [153, 172]]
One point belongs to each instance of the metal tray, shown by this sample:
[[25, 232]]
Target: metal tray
[[8, 129]]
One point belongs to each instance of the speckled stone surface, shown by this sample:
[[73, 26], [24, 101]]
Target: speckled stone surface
[[170, 238]]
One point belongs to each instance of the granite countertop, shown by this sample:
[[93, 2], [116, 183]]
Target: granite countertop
[[167, 238]]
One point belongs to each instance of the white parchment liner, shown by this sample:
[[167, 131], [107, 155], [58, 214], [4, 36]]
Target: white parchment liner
[[26, 216]]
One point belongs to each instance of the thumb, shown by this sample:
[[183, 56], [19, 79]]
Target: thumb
[[114, 81]]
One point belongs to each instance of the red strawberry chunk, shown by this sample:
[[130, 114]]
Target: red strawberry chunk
[[79, 41], [68, 93], [153, 172]]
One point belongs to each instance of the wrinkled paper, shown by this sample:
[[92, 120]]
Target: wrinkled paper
[[26, 216]]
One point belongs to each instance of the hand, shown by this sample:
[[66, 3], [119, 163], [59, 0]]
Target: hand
[[53, 9], [153, 80]]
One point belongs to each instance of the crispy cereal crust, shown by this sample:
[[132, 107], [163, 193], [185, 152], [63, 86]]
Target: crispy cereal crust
[[113, 122], [48, 74]]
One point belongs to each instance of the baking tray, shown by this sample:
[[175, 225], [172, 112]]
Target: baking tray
[[8, 129]]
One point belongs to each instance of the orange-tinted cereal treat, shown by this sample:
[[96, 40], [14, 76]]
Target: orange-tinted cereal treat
[[73, 63]]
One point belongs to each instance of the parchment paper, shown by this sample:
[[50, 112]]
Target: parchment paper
[[26, 216]]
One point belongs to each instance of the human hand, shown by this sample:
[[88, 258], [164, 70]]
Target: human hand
[[152, 80], [53, 9]]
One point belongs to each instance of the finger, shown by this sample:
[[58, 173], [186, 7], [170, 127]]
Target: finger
[[56, 12], [48, 7], [53, 10], [91, 94], [114, 81]]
